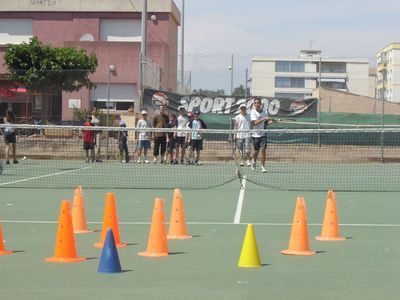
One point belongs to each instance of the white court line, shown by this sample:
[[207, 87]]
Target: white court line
[[42, 176], [239, 206], [206, 223]]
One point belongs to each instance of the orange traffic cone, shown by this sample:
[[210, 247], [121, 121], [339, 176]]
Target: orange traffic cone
[[2, 250], [298, 243], [65, 250], [330, 228], [78, 213], [110, 220], [157, 244], [177, 224]]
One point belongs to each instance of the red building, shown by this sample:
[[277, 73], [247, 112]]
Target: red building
[[110, 29]]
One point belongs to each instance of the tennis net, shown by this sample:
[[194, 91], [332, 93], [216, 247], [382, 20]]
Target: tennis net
[[354, 159]]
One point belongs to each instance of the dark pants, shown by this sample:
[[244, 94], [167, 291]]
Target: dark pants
[[123, 147], [160, 144]]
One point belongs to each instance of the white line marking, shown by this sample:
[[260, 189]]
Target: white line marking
[[204, 223], [239, 205], [42, 176]]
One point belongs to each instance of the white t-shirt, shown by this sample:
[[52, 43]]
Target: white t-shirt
[[144, 135], [255, 115], [182, 122], [243, 123]]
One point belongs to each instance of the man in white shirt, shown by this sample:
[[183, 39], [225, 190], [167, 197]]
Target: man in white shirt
[[243, 139], [259, 121], [180, 133]]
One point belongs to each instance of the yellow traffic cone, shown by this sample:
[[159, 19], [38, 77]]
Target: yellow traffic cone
[[249, 257]]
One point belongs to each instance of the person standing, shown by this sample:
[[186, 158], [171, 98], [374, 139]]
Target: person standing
[[123, 143], [171, 138], [160, 139], [243, 139], [10, 137], [143, 137], [259, 121], [182, 121], [196, 137], [88, 141], [97, 140]]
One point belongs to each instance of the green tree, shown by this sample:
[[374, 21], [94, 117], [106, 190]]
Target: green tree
[[45, 69], [209, 93], [240, 91]]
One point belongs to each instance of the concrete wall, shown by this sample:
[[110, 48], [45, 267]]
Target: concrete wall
[[263, 78], [337, 101], [358, 79]]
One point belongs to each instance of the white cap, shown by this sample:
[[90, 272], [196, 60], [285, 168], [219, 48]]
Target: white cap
[[180, 107], [143, 112], [242, 105]]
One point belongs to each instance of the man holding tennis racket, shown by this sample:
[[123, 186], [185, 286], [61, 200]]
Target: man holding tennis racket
[[242, 137], [259, 121]]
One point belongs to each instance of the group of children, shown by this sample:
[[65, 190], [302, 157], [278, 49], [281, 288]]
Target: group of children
[[182, 146]]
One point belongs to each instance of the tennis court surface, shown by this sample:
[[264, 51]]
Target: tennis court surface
[[365, 266]]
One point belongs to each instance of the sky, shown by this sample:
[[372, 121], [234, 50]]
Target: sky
[[217, 29]]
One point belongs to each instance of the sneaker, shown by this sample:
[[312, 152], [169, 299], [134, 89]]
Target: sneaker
[[162, 161], [199, 163], [263, 170], [123, 161], [248, 163], [242, 163], [154, 160], [86, 160], [7, 162], [16, 161], [146, 161], [99, 160], [253, 166], [182, 162]]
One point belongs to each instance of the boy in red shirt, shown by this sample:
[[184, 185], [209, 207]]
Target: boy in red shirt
[[88, 141]]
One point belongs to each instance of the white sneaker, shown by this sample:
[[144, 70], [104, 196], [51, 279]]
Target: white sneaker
[[263, 170], [154, 160], [138, 161], [146, 161], [248, 163], [242, 163], [253, 166], [124, 161]]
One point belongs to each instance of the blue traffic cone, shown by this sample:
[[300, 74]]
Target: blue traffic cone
[[109, 259]]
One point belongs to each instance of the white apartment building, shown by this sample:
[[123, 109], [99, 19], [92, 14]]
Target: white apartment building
[[388, 73], [298, 76]]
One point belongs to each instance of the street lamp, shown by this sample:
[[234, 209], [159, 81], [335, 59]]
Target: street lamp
[[111, 70]]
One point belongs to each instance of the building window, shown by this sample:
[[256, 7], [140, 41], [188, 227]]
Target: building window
[[289, 66], [290, 96], [289, 82], [334, 85], [120, 30], [15, 31], [332, 67], [37, 103]]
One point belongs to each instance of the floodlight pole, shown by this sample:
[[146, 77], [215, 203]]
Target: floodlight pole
[[183, 45], [143, 53], [383, 113], [319, 100]]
